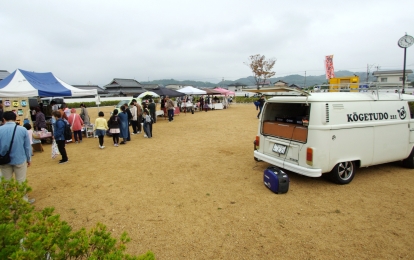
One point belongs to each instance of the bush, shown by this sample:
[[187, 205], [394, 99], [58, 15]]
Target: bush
[[29, 234], [246, 99], [92, 104]]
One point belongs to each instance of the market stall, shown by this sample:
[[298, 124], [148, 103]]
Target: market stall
[[19, 86]]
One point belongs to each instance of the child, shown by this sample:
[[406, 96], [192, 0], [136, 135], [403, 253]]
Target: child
[[147, 124], [30, 133], [101, 126], [114, 127]]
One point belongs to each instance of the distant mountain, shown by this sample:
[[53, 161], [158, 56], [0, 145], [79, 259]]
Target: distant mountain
[[290, 79]]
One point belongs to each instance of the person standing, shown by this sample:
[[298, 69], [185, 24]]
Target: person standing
[[147, 125], [139, 117], [134, 122], [114, 127], [201, 100], [123, 125], [67, 111], [100, 127], [77, 123], [163, 100], [59, 135], [183, 107], [152, 108], [84, 114], [128, 112], [32, 115], [261, 102], [54, 106], [20, 152], [179, 102], [63, 115], [207, 103], [169, 104], [145, 107], [40, 119]]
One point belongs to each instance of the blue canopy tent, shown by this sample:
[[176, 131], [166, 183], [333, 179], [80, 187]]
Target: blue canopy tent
[[23, 83]]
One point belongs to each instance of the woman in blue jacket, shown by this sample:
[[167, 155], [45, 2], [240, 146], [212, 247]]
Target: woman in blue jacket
[[59, 135], [123, 125]]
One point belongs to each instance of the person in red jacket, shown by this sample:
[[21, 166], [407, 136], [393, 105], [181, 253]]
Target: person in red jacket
[[77, 124]]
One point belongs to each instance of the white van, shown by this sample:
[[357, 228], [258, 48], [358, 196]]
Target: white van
[[59, 100], [123, 101], [335, 132]]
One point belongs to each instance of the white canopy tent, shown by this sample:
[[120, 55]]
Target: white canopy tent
[[23, 83], [189, 90]]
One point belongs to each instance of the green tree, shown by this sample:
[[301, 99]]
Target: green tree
[[29, 234], [261, 68]]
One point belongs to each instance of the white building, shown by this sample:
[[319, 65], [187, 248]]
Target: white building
[[391, 80]]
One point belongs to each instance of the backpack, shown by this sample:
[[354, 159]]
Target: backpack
[[68, 132]]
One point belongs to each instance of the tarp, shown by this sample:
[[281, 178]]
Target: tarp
[[168, 92], [23, 83], [211, 91], [189, 90], [224, 91]]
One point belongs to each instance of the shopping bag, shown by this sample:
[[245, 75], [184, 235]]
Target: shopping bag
[[55, 150]]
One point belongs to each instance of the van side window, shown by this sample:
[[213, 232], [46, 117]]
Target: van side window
[[411, 106]]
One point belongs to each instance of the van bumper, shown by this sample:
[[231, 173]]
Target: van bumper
[[310, 172]]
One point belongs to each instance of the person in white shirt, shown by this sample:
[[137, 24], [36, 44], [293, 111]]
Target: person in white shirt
[[134, 119]]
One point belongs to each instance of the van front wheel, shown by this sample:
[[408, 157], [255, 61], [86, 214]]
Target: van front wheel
[[343, 172]]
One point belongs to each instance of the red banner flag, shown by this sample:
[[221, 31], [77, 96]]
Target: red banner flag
[[329, 67]]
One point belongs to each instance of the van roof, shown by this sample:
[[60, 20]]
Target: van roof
[[342, 97]]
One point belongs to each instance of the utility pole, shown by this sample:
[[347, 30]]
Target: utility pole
[[368, 71], [304, 84]]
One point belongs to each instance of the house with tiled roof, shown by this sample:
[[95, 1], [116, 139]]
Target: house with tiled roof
[[236, 87], [280, 83], [124, 87], [295, 86]]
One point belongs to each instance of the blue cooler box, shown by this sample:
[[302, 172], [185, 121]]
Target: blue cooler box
[[276, 180]]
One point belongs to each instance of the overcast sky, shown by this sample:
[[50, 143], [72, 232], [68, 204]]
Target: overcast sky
[[96, 41]]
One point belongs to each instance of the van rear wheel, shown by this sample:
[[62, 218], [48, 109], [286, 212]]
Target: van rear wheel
[[409, 162], [343, 172]]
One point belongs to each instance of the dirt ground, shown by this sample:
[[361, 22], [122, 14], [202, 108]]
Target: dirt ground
[[193, 191]]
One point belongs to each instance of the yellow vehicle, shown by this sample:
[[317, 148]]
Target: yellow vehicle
[[351, 83]]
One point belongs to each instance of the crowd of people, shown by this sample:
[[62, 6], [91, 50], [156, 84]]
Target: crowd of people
[[141, 117]]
